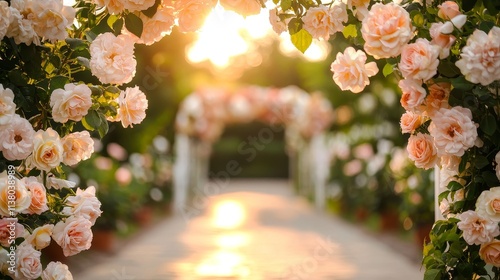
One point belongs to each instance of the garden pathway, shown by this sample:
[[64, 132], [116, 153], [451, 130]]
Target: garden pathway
[[254, 230]]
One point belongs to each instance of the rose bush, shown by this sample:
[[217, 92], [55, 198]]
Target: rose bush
[[444, 55]]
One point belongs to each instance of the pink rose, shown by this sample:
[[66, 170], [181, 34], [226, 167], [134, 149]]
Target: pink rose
[[133, 105], [84, 204], [413, 94], [16, 138], [477, 229], [38, 196], [77, 146], [448, 10], [437, 98], [112, 58], [28, 262], [7, 105], [350, 72], [410, 121], [138, 5], [56, 271], [386, 30], [441, 39], [192, 13], [10, 229], [4, 18], [480, 58], [323, 21], [113, 6], [490, 252], [73, 235], [158, 26], [359, 8], [419, 60], [278, 25], [421, 150], [242, 7], [453, 130]]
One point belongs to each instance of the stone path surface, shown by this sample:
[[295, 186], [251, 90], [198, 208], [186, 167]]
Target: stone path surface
[[256, 230]]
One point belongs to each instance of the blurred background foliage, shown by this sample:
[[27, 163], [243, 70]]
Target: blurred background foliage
[[365, 134]]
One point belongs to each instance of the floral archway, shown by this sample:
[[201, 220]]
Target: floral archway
[[201, 119]]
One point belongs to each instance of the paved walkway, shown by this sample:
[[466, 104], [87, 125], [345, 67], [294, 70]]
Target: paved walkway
[[255, 230]]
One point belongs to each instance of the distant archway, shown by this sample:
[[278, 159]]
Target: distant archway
[[204, 114]]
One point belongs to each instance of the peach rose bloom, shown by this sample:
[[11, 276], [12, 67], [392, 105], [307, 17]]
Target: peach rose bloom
[[421, 150], [7, 105], [47, 150], [448, 10], [276, 23], [113, 6], [6, 226], [419, 60], [158, 26], [28, 262], [410, 121], [4, 18], [84, 204], [490, 252], [50, 18], [386, 30], [480, 58], [38, 196], [138, 5], [350, 70], [322, 21], [453, 130], [16, 138], [413, 94], [71, 103], [476, 228], [242, 7], [488, 204], [437, 98], [73, 235], [23, 196], [441, 38], [56, 271], [112, 58], [77, 146], [41, 236], [21, 28], [359, 8], [191, 14], [133, 105]]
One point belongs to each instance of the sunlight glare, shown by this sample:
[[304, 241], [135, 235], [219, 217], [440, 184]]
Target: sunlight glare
[[223, 264], [229, 214], [317, 51], [233, 240]]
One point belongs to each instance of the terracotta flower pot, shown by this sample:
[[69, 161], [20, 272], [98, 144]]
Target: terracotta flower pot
[[104, 240]]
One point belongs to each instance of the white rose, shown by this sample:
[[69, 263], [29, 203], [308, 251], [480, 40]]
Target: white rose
[[16, 138], [7, 105], [4, 18], [22, 195], [84, 204], [40, 237], [47, 150], [477, 229], [58, 184], [56, 271], [488, 204]]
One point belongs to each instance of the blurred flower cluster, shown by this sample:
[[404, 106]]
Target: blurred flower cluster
[[445, 56], [204, 113]]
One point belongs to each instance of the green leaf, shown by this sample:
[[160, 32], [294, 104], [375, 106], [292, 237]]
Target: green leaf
[[301, 40], [350, 31], [461, 83], [91, 121], [58, 82], [454, 186], [488, 124], [118, 26], [388, 69], [75, 43], [448, 69], [134, 24], [103, 127], [486, 26], [481, 161], [286, 4], [17, 78], [468, 5], [490, 179], [433, 274]]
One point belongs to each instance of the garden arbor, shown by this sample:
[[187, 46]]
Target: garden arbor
[[201, 120]]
